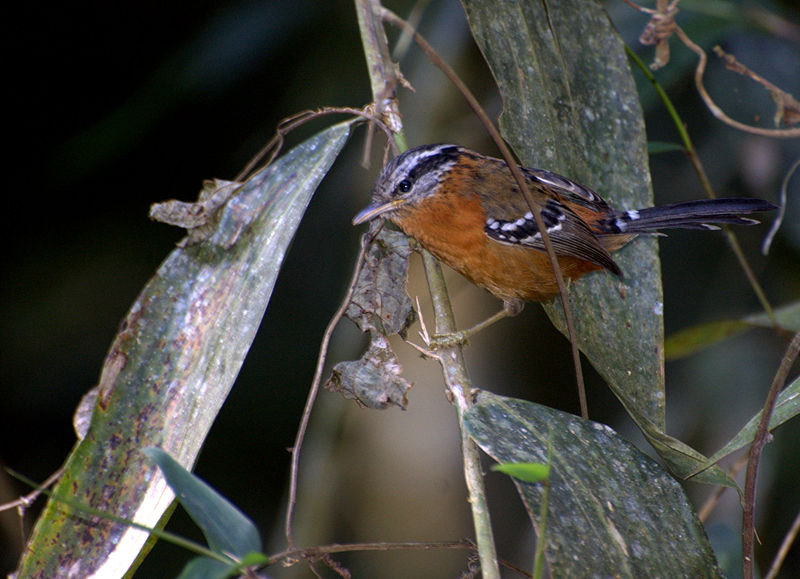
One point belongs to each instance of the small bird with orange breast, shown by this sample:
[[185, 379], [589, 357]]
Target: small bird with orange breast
[[467, 210]]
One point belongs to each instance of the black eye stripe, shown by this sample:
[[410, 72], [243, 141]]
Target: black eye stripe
[[406, 170], [429, 163]]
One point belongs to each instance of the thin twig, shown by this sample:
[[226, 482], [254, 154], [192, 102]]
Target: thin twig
[[787, 108], [24, 502], [460, 386], [312, 394], [382, 71], [713, 107], [273, 147], [312, 552], [759, 441], [658, 29], [782, 201], [315, 553], [662, 25], [780, 556], [454, 369]]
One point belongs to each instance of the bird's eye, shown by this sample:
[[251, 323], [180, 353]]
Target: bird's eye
[[404, 186]]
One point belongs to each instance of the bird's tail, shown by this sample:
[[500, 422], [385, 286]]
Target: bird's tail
[[704, 214]]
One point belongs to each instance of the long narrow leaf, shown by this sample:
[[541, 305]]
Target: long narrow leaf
[[227, 530], [691, 340], [570, 105], [171, 367], [787, 406]]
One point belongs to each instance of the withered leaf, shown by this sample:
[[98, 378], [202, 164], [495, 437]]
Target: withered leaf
[[198, 218], [375, 380], [82, 418], [380, 302]]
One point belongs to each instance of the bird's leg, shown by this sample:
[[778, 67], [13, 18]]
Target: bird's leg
[[510, 309]]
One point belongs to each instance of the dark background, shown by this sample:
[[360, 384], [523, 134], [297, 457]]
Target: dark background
[[114, 106]]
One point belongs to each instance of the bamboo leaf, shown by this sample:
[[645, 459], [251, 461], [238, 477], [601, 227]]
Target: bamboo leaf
[[227, 530], [612, 511], [171, 367], [696, 338], [570, 105], [787, 406]]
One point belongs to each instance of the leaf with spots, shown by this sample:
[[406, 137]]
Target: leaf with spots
[[171, 367], [610, 507], [585, 122]]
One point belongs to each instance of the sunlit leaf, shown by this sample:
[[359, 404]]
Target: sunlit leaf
[[171, 367]]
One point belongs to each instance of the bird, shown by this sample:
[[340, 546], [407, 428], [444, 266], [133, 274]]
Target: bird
[[467, 210]]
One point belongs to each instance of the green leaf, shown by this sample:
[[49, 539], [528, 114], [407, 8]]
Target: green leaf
[[171, 367], [570, 105], [691, 340], [205, 568], [787, 406], [612, 511], [655, 147], [253, 559], [227, 530], [531, 472]]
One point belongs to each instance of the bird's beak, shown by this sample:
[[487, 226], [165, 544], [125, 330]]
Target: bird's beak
[[372, 210]]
